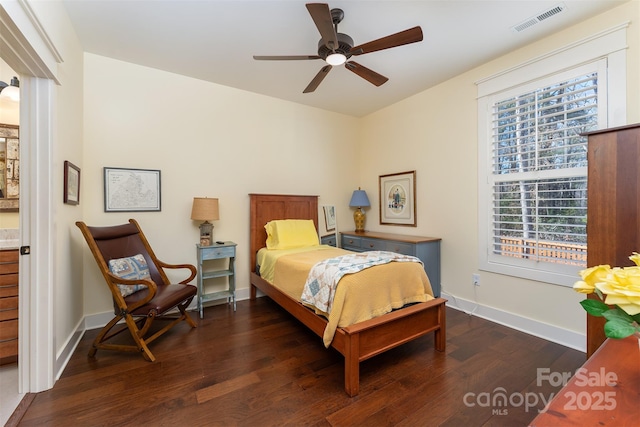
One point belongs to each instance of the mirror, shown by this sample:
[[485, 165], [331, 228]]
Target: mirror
[[9, 168], [327, 226]]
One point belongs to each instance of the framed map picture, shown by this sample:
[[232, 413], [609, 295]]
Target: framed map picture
[[131, 190], [398, 199]]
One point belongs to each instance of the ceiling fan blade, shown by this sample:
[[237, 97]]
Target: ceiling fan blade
[[318, 79], [411, 35], [321, 15], [367, 74], [285, 57]]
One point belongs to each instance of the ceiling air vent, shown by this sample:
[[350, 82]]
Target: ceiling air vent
[[528, 23]]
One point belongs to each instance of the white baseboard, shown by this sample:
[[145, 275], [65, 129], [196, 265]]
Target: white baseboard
[[63, 356], [545, 331], [95, 321], [542, 330]]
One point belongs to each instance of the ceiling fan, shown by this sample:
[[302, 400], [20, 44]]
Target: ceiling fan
[[337, 48]]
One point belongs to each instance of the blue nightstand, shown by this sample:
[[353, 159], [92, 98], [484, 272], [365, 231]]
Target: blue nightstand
[[226, 250]]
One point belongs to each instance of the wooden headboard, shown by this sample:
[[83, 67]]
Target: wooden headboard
[[267, 207]]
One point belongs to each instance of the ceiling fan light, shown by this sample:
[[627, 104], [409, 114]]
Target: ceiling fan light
[[336, 59]]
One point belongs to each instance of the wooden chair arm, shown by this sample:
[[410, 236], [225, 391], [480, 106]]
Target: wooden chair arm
[[190, 267], [115, 280]]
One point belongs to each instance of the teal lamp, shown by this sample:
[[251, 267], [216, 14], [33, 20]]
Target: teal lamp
[[359, 200]]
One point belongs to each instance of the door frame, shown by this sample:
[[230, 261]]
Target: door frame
[[31, 54]]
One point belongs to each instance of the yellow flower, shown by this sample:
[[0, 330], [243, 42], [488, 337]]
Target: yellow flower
[[619, 290], [590, 277], [622, 288], [583, 287]]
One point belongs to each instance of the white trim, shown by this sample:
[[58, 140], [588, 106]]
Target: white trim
[[95, 321], [37, 26], [25, 46], [36, 352], [538, 329], [28, 50], [586, 50], [617, 89], [64, 355]]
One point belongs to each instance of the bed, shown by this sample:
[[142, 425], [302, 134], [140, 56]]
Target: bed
[[357, 342]]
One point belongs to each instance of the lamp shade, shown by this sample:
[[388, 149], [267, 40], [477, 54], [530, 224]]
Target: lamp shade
[[11, 91], [205, 209], [359, 199]]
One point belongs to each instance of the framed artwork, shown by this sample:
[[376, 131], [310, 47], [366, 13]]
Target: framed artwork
[[329, 217], [131, 190], [71, 184], [9, 168], [398, 199]]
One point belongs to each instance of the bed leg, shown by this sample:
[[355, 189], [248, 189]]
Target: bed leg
[[252, 292], [440, 334], [352, 366]]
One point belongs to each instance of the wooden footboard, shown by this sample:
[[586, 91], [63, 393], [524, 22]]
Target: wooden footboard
[[366, 339]]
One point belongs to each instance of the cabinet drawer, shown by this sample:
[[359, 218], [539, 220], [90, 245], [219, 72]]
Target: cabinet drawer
[[8, 303], [9, 268], [401, 248], [9, 348], [351, 243], [216, 253], [9, 290], [328, 240], [9, 256], [373, 245], [9, 314], [8, 330]]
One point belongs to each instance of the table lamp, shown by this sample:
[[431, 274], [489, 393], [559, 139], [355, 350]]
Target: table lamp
[[205, 209], [359, 200]]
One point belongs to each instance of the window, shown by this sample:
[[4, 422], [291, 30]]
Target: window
[[533, 174], [539, 171]]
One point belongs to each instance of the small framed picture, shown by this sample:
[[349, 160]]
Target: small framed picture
[[131, 190], [329, 217], [71, 184], [398, 199]]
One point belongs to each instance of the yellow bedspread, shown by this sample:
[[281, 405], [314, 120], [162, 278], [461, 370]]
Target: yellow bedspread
[[360, 296]]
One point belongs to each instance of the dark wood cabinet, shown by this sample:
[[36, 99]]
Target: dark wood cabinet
[[8, 306], [613, 212], [603, 392]]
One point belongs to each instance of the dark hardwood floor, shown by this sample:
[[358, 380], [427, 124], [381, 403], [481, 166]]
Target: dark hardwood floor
[[259, 366]]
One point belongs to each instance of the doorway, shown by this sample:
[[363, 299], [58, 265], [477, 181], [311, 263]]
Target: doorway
[[10, 395], [36, 355]]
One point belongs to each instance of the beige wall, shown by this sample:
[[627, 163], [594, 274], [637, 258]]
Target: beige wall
[[435, 133], [207, 140], [210, 140]]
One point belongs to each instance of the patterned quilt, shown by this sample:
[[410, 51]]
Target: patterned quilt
[[323, 278]]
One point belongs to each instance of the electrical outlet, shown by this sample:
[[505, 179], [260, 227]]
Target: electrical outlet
[[475, 279]]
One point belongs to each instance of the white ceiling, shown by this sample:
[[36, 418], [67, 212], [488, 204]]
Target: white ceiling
[[215, 40]]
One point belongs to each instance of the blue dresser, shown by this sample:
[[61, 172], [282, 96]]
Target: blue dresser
[[427, 249]]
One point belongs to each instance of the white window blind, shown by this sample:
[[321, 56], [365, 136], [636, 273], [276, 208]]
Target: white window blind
[[538, 163]]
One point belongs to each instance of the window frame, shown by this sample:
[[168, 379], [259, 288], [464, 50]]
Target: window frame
[[603, 53]]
